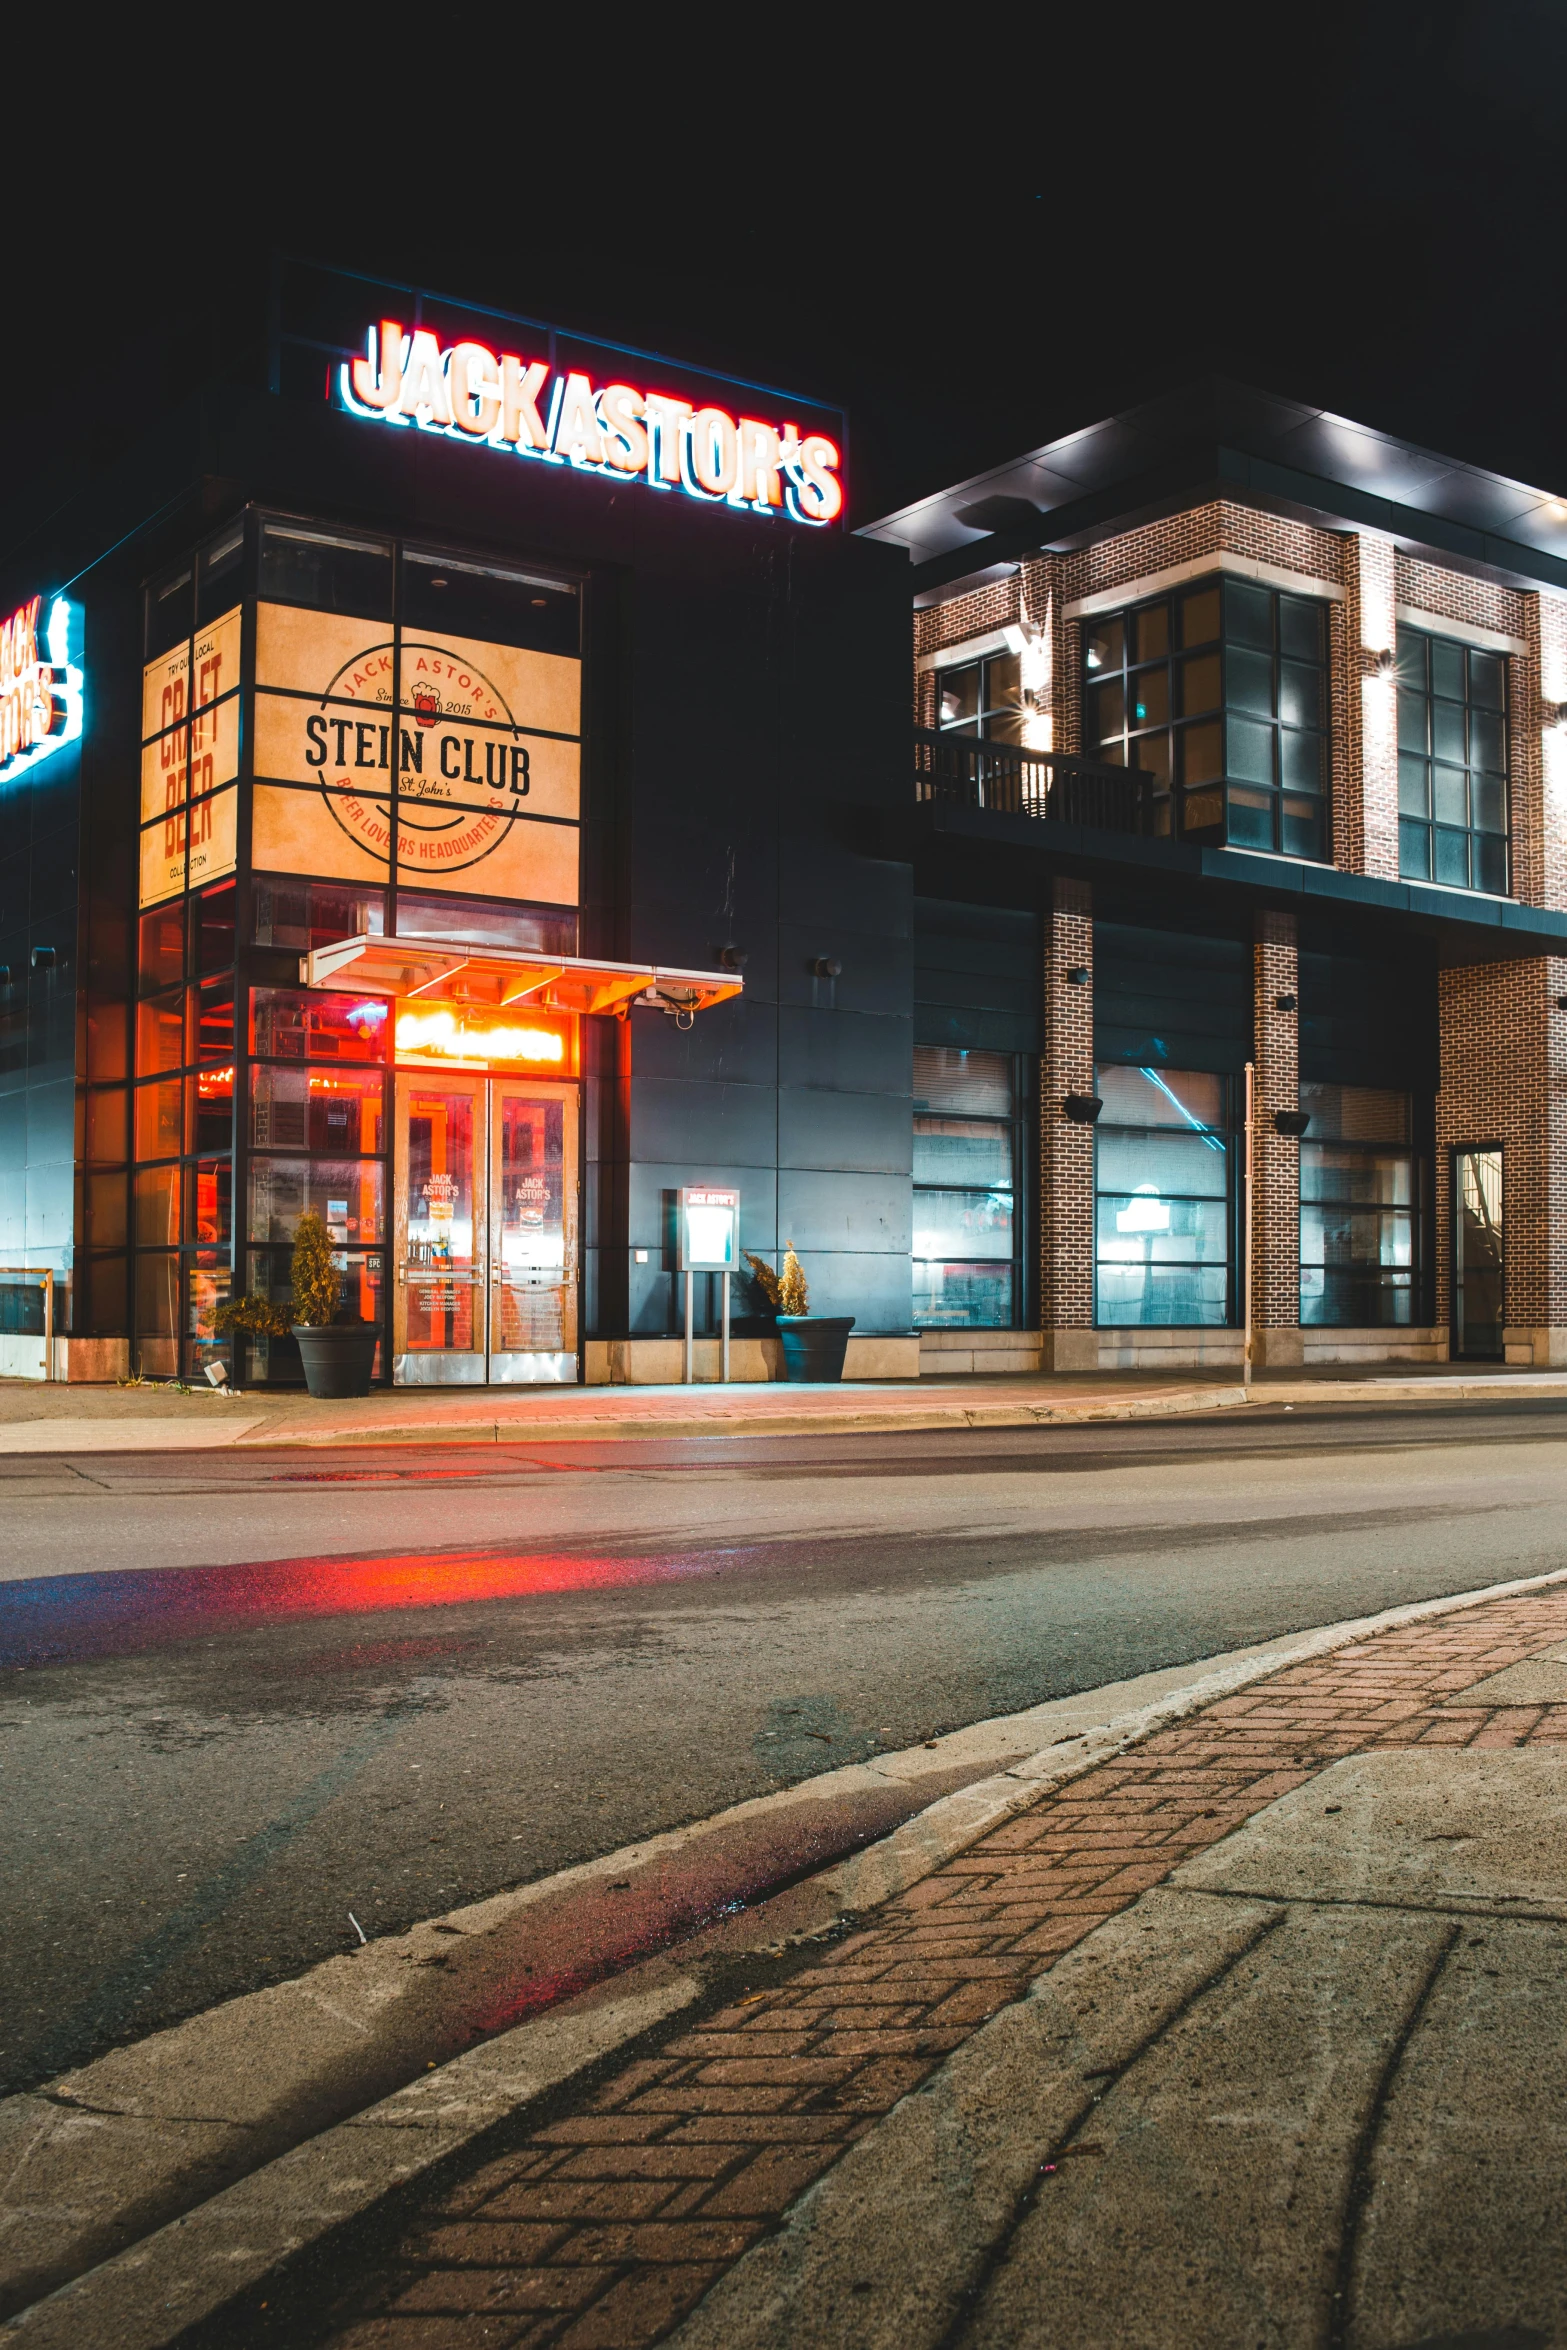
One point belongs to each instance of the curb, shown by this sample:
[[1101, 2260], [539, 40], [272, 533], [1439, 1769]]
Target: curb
[[143, 2298]]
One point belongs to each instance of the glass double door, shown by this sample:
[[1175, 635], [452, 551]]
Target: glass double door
[[1480, 1257], [485, 1230]]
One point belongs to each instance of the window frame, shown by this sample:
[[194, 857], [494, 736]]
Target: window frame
[[980, 727], [1410, 821], [1019, 1065], [1228, 1133]]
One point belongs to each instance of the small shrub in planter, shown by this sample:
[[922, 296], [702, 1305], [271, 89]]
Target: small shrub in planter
[[338, 1356], [814, 1345]]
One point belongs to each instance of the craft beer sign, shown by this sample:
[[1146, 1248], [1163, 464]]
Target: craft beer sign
[[621, 431]]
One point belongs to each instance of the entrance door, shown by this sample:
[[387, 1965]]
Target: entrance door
[[1480, 1263], [485, 1230]]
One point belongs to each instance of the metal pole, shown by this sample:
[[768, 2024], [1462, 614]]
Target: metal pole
[[1251, 1123], [723, 1349], [690, 1309]]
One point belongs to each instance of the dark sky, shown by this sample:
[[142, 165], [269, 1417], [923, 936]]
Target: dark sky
[[975, 231]]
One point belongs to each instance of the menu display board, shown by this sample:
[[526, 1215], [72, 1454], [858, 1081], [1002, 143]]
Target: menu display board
[[190, 750]]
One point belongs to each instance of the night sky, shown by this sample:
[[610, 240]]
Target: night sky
[[976, 232]]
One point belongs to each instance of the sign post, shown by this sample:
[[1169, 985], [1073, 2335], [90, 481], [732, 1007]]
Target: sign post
[[709, 1242], [1246, 1232]]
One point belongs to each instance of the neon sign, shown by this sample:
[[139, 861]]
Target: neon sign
[[442, 1035], [469, 392], [40, 700]]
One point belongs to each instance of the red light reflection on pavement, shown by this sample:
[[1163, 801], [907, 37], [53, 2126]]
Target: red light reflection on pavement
[[77, 1616]]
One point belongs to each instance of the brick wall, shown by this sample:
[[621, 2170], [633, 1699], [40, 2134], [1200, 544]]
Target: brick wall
[[1504, 1080], [1066, 1151], [1275, 1215]]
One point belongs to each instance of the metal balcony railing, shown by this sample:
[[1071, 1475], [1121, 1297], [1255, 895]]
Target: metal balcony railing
[[1055, 786]]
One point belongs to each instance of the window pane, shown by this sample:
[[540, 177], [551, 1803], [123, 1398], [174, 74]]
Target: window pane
[[330, 573], [347, 1194], [1338, 1172], [1412, 660], [1164, 1296], [1414, 786], [1414, 850], [160, 1035], [1488, 802], [212, 925], [1354, 1299], [1112, 753], [160, 954], [422, 914], [1148, 696], [1003, 681], [1251, 818], [951, 1077], [1201, 688], [211, 1109], [1151, 752], [1300, 694], [1158, 1097], [307, 914], [1107, 709], [1249, 682], [1449, 735], [962, 1151], [1152, 632], [157, 1119], [1300, 760], [1487, 741], [212, 1202], [1192, 1166], [1449, 795], [963, 1223], [1487, 680], [1452, 858], [958, 693], [1202, 752], [1248, 614], [1300, 628], [289, 1024], [1105, 647], [1250, 750], [157, 1194], [968, 1297], [1356, 1113], [1200, 617], [1146, 1228], [1447, 668], [1412, 722], [496, 607], [1490, 864], [1302, 831], [157, 1294], [335, 1110]]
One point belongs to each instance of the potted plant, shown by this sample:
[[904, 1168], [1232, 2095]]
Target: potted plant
[[814, 1345], [338, 1356]]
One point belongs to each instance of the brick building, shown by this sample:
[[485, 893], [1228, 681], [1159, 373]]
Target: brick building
[[1241, 738]]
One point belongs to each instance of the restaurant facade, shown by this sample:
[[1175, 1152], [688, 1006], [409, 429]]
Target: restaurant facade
[[464, 786]]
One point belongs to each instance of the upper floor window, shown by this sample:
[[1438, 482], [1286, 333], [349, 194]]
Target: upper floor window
[[1220, 693], [1452, 763], [982, 697]]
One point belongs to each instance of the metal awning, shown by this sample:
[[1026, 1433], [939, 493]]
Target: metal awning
[[469, 973]]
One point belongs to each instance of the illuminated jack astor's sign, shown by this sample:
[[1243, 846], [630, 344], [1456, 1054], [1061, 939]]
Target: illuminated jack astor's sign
[[40, 693], [618, 430]]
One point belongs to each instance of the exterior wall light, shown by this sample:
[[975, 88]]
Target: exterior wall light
[[1560, 715], [1561, 1003], [732, 958], [43, 958], [827, 967], [1082, 1109], [1383, 662], [1291, 1122], [1285, 1003], [1078, 975]]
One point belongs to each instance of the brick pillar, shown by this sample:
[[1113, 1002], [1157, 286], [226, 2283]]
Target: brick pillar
[[1504, 1080], [1365, 778], [1526, 762], [1275, 1205], [1066, 1150], [1044, 676]]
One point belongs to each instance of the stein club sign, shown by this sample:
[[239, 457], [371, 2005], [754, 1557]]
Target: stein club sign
[[472, 393]]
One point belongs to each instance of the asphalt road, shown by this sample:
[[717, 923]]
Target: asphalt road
[[243, 1696]]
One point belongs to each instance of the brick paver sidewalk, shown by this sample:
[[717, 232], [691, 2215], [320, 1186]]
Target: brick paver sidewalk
[[606, 2227]]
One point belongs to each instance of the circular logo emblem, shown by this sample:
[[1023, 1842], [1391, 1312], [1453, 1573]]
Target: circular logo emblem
[[461, 759]]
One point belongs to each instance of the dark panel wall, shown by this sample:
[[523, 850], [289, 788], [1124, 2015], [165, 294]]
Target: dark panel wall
[[1171, 997], [1366, 1017], [977, 976]]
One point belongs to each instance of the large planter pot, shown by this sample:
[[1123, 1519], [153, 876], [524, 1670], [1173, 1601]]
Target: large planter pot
[[338, 1356], [814, 1345]]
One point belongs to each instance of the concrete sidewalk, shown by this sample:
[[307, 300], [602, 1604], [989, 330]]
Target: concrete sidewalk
[[40, 1418], [1254, 2034]]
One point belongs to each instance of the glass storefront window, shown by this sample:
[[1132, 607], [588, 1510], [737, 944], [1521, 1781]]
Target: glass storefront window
[[1359, 1198], [338, 1111], [211, 1109], [542, 929], [157, 1119], [1452, 763], [326, 570], [348, 1194], [160, 1035], [212, 1202], [157, 1206], [1162, 1206], [293, 1024], [307, 914], [966, 1229], [213, 927], [160, 952]]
